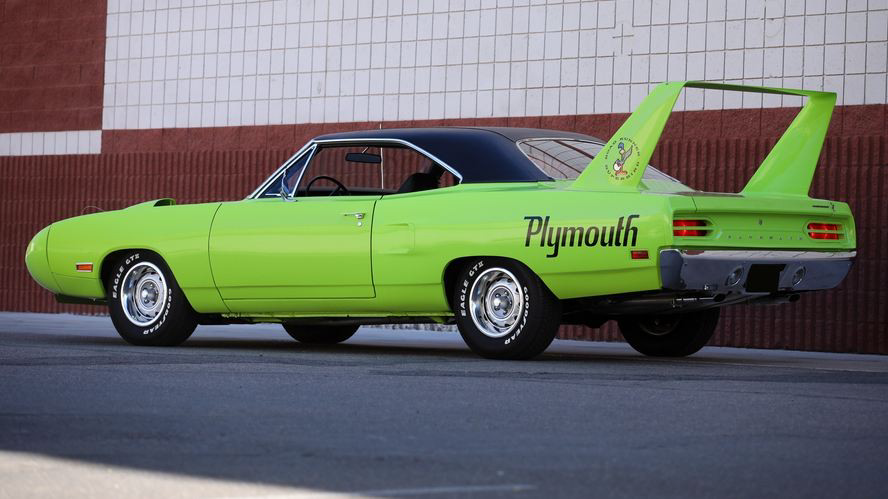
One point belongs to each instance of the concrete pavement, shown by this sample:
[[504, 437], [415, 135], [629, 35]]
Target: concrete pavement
[[244, 411]]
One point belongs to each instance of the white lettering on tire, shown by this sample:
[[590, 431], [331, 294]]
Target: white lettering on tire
[[116, 282], [520, 328], [166, 312], [464, 290]]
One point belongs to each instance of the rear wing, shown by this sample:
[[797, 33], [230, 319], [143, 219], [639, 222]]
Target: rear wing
[[787, 170]]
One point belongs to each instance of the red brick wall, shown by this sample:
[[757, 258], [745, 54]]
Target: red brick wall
[[708, 149], [51, 65], [51, 77]]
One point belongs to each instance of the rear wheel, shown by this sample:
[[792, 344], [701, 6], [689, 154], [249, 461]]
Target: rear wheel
[[145, 302], [503, 310], [672, 335], [320, 334]]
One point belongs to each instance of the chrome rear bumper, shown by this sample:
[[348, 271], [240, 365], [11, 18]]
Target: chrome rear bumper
[[744, 271]]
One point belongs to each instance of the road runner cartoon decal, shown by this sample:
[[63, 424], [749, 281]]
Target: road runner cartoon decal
[[556, 237], [622, 159]]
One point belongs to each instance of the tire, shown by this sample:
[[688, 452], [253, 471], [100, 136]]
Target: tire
[[320, 335], [519, 326], [677, 335], [147, 305]]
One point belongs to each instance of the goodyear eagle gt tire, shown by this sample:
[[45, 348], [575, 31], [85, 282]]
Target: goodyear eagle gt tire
[[675, 335], [327, 335], [146, 304], [503, 310]]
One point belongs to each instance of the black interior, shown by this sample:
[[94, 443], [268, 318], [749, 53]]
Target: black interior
[[326, 190], [419, 181]]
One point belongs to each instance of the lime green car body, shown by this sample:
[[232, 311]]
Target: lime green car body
[[602, 234]]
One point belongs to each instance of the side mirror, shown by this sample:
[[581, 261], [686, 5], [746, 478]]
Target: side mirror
[[284, 192]]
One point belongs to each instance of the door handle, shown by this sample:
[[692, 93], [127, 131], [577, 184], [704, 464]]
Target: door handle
[[359, 215]]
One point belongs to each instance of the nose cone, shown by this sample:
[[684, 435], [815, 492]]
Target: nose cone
[[37, 262]]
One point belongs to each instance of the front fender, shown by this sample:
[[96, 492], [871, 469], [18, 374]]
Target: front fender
[[179, 234], [37, 262]]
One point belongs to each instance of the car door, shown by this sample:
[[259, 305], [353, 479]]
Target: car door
[[312, 244], [310, 248]]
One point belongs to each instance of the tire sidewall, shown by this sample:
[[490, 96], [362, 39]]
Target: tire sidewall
[[158, 331], [529, 324], [690, 334]]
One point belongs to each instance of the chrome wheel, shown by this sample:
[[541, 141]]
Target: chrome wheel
[[496, 302], [143, 294]]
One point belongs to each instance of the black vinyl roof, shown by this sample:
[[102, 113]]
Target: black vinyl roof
[[479, 154]]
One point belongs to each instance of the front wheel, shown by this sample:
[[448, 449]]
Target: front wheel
[[671, 335], [503, 310], [320, 334], [145, 302]]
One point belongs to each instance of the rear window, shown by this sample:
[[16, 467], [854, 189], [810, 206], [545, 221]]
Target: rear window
[[565, 159]]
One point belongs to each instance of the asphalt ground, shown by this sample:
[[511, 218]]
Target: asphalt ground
[[244, 411]]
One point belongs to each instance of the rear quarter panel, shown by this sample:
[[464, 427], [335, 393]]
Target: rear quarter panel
[[417, 235], [178, 233]]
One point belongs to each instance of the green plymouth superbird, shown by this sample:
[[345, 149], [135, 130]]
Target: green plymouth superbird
[[507, 232]]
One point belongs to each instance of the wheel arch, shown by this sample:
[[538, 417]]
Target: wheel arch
[[107, 265], [453, 268]]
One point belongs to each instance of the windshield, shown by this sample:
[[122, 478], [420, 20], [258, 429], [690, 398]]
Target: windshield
[[565, 159]]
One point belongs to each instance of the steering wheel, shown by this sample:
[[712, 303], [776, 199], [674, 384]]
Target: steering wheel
[[339, 185]]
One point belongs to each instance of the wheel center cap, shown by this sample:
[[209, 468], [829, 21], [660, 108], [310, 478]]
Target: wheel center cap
[[495, 302], [148, 294], [501, 302]]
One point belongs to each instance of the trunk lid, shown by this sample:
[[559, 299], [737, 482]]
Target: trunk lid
[[779, 222]]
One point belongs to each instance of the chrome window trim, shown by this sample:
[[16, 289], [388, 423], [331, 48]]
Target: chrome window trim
[[295, 157], [311, 155], [314, 143]]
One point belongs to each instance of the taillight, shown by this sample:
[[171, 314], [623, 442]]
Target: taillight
[[679, 228], [824, 231]]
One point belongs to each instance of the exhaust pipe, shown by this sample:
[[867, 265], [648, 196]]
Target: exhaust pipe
[[776, 300], [658, 304]]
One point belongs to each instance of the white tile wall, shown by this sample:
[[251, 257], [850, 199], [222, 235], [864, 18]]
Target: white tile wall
[[51, 143], [187, 63]]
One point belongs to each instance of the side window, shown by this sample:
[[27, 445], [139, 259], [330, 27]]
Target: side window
[[409, 171], [371, 170], [355, 168]]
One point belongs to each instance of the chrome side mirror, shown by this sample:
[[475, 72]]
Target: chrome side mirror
[[284, 192]]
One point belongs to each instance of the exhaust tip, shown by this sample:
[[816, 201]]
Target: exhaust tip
[[734, 277], [798, 275]]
